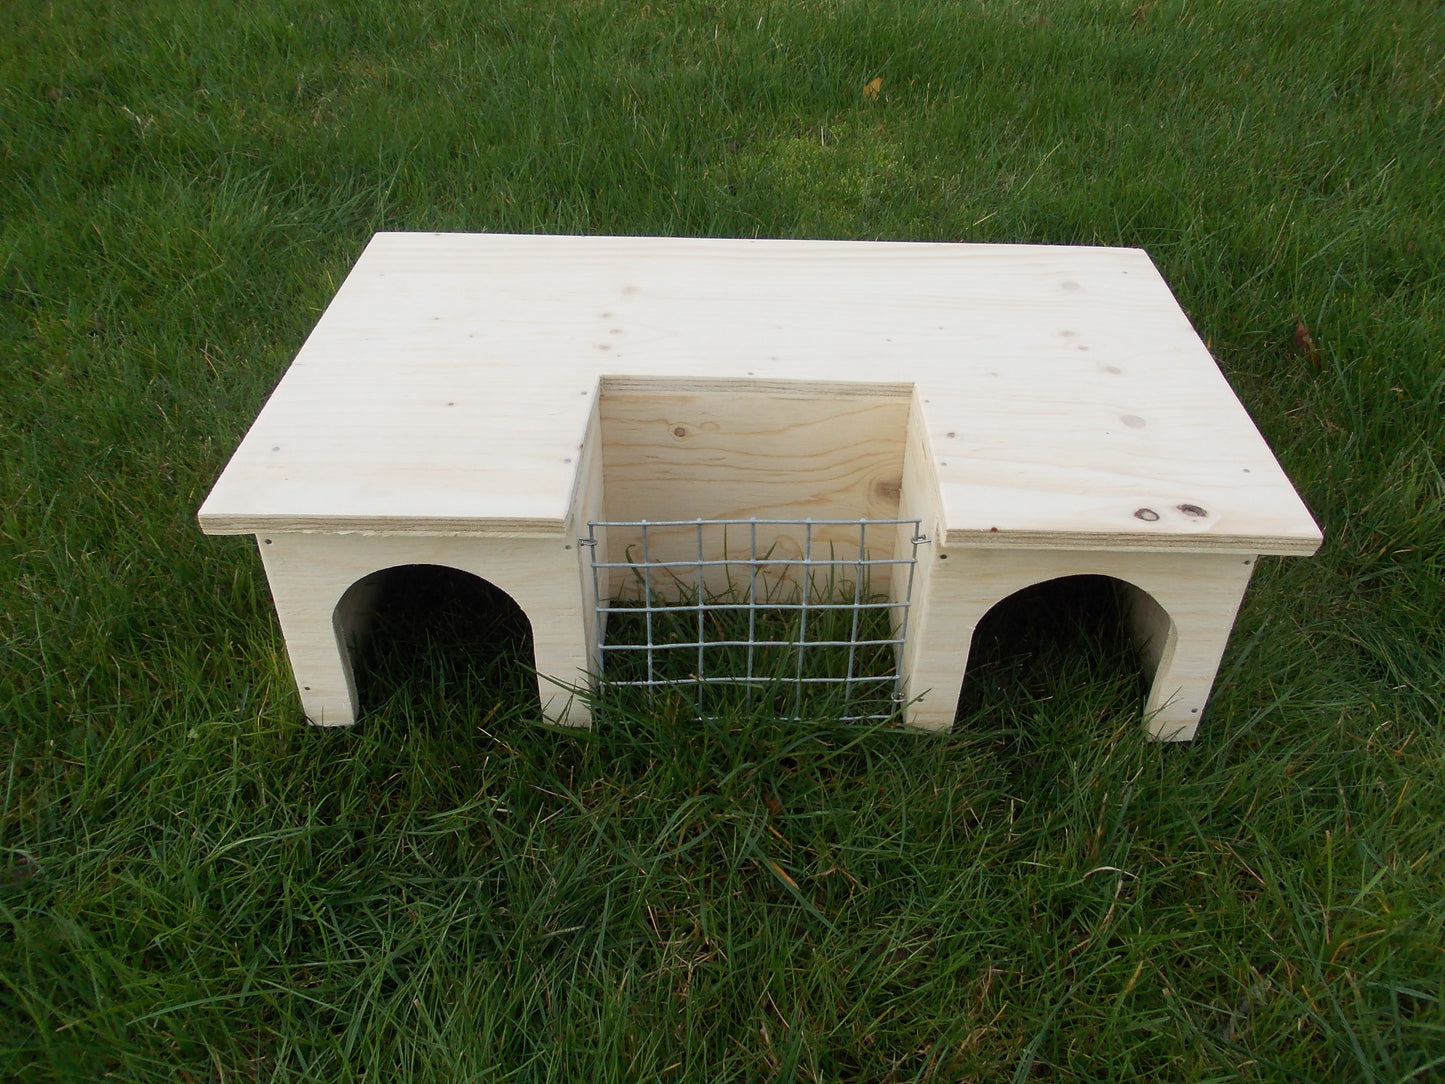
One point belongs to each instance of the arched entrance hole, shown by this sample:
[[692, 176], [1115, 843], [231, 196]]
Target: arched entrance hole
[[1068, 637], [435, 632]]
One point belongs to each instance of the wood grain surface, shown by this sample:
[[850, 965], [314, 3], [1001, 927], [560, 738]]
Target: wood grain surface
[[1062, 396]]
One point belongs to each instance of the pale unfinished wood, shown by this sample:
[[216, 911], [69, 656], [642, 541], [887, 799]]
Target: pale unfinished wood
[[1063, 388], [748, 449], [589, 505], [477, 400], [310, 575], [1182, 609], [919, 499]]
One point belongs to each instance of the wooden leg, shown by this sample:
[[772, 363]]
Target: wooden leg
[[1182, 610], [306, 594], [1183, 621]]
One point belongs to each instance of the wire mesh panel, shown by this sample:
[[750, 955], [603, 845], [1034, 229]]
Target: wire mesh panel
[[799, 618]]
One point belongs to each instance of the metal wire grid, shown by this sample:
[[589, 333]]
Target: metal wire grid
[[664, 640]]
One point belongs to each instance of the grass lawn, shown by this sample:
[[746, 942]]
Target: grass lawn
[[195, 886]]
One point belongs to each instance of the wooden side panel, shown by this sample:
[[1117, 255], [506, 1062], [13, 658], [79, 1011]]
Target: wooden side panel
[[588, 505], [309, 575], [919, 499], [1185, 608], [736, 450]]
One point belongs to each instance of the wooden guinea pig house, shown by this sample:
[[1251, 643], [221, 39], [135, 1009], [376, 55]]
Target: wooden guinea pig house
[[759, 457]]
